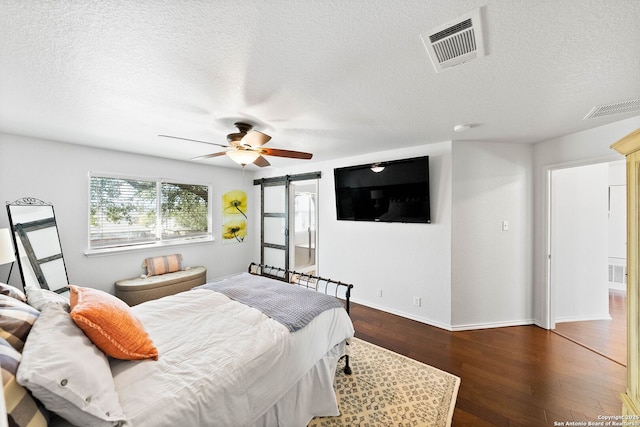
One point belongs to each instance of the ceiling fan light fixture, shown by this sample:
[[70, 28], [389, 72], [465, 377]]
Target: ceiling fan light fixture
[[377, 167], [243, 157]]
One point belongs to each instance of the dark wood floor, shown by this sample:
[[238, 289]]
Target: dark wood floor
[[608, 337], [515, 376]]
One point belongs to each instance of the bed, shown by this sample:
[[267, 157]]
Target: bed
[[220, 360]]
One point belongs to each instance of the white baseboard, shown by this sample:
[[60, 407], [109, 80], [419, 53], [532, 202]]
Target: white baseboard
[[582, 318], [450, 328], [617, 287], [618, 291], [491, 325], [403, 314]]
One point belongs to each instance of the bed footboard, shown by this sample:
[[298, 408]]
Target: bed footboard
[[338, 289]]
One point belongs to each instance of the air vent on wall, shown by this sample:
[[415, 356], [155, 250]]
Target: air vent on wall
[[456, 42], [617, 108], [617, 273]]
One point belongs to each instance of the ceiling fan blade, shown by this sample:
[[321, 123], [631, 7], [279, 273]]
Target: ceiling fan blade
[[285, 153], [194, 140], [208, 156], [262, 162], [255, 139]]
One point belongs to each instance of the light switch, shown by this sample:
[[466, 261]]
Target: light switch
[[505, 225]]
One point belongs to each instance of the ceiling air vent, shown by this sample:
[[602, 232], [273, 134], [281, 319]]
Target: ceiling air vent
[[456, 42], [611, 109]]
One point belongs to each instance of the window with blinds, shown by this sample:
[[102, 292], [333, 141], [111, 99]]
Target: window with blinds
[[129, 211]]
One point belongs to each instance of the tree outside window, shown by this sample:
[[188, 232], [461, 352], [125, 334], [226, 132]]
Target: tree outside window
[[125, 212]]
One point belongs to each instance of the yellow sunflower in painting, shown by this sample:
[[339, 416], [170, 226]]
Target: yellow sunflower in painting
[[234, 202], [234, 229]]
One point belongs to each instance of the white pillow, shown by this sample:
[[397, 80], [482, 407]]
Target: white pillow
[[38, 298], [67, 373]]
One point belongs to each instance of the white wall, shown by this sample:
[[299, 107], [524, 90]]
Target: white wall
[[579, 242], [58, 173], [404, 260], [491, 268], [617, 226], [591, 146], [468, 272]]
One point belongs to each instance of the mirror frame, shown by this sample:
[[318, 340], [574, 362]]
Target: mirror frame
[[19, 231]]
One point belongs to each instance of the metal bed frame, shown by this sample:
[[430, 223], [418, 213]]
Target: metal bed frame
[[310, 281]]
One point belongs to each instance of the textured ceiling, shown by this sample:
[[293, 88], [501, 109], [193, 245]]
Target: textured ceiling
[[335, 78]]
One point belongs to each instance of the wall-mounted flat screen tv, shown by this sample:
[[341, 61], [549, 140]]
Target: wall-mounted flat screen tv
[[397, 193]]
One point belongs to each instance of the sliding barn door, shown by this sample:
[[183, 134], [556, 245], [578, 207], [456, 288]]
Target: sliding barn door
[[275, 229]]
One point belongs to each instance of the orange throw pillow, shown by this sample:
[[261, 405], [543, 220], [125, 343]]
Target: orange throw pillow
[[110, 324]]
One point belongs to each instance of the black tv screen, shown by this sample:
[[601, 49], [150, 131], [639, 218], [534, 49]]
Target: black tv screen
[[398, 193]]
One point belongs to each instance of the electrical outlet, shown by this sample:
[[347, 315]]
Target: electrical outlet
[[417, 301], [379, 292]]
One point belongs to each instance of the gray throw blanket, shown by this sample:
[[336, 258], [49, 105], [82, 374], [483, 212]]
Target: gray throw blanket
[[288, 304]]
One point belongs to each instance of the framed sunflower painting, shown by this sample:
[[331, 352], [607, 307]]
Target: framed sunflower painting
[[234, 216]]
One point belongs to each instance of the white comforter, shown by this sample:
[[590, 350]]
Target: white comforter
[[221, 363]]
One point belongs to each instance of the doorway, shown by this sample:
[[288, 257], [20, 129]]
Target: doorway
[[305, 218], [584, 226], [278, 214]]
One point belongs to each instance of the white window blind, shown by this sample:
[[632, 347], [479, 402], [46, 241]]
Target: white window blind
[[129, 211]]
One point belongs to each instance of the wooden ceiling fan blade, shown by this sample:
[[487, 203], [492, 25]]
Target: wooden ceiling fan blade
[[262, 162], [194, 140], [286, 153], [208, 156], [255, 138]]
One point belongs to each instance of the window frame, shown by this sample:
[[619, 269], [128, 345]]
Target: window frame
[[159, 242]]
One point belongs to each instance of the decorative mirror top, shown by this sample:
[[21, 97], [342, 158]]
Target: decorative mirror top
[[29, 201]]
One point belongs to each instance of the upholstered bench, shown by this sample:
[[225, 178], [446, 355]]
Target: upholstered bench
[[140, 289]]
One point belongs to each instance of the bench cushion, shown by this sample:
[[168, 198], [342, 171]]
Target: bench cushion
[[137, 290]]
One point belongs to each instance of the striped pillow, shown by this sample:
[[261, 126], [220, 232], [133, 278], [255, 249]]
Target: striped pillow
[[163, 264], [12, 292], [22, 409], [16, 319]]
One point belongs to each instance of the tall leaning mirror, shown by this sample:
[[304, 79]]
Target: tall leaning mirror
[[37, 244]]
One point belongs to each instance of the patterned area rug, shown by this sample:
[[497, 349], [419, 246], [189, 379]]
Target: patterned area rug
[[388, 389]]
